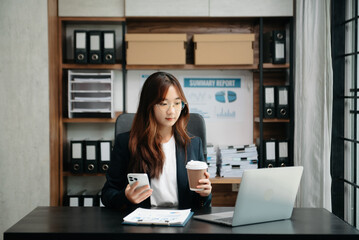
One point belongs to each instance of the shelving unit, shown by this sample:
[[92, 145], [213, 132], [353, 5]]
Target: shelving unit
[[66, 25], [263, 73], [278, 75]]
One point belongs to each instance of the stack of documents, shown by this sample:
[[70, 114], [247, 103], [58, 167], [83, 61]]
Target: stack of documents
[[142, 216], [235, 159]]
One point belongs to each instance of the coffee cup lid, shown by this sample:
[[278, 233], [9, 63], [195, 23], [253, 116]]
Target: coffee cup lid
[[193, 164]]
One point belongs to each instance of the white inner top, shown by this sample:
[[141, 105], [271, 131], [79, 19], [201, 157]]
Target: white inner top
[[165, 191]]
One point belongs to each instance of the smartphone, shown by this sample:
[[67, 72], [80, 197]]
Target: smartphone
[[142, 178]]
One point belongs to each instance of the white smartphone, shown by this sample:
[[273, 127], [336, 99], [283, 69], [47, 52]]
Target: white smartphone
[[142, 178]]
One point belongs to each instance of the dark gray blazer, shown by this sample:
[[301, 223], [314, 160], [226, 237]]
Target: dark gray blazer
[[113, 192]]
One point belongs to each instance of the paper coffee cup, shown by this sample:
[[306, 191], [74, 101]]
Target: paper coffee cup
[[195, 172]]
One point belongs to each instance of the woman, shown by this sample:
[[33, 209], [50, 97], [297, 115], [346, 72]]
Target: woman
[[159, 145]]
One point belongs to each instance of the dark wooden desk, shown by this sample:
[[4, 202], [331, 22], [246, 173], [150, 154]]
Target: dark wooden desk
[[102, 223]]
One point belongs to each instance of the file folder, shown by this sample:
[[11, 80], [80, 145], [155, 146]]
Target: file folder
[[269, 97], [80, 46], [94, 39], [283, 153], [282, 103], [278, 47], [72, 199], [269, 153], [109, 47], [91, 198], [76, 160], [90, 162], [104, 156]]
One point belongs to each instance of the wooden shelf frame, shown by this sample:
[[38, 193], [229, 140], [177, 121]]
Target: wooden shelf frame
[[69, 174], [117, 66], [133, 25], [207, 67], [63, 65], [275, 66], [192, 67], [226, 180], [86, 20], [92, 120], [274, 120], [269, 74]]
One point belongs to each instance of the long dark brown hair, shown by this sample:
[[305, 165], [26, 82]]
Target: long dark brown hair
[[146, 153]]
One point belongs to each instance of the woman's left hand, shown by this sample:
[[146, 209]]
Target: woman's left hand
[[205, 184]]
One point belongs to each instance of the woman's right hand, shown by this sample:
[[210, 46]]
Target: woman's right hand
[[137, 195]]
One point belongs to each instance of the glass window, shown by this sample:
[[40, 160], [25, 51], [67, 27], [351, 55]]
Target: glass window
[[351, 111], [349, 9], [349, 43]]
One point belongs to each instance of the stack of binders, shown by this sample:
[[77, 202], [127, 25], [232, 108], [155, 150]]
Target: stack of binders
[[276, 153], [74, 199], [90, 156], [276, 102], [83, 198], [94, 47]]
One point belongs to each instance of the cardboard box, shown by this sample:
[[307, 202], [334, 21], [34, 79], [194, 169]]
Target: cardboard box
[[223, 49], [156, 49]]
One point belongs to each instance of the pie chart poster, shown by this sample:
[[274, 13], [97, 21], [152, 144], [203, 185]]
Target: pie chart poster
[[223, 97], [218, 99]]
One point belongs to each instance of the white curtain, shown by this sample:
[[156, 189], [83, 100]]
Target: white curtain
[[313, 102]]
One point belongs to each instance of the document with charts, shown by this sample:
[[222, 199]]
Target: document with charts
[[166, 217]]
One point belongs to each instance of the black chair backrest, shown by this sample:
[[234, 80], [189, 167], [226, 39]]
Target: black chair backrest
[[196, 126], [124, 123]]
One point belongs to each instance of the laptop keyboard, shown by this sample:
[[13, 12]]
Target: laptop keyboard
[[226, 220]]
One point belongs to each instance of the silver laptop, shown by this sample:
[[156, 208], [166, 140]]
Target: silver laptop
[[264, 195]]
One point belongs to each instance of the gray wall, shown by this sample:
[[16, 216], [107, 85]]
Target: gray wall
[[24, 109]]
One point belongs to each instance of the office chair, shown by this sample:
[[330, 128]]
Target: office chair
[[196, 126]]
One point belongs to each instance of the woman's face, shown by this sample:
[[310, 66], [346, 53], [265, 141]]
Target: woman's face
[[168, 111]]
